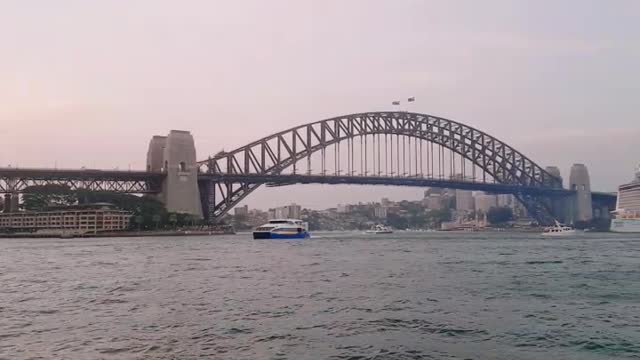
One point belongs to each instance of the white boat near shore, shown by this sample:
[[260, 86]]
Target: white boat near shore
[[380, 229], [559, 230], [286, 229]]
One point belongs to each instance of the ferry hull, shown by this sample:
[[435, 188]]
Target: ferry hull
[[269, 235], [625, 225], [560, 234]]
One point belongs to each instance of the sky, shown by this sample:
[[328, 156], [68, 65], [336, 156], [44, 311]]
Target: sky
[[89, 83]]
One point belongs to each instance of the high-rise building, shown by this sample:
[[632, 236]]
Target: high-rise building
[[464, 200], [484, 202], [506, 200], [241, 210], [286, 212], [433, 202]]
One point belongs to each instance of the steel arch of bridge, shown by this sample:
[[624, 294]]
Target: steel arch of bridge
[[275, 153]]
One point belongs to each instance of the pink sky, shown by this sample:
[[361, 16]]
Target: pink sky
[[88, 83]]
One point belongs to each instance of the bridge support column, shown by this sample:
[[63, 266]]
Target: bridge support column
[[11, 202], [176, 156], [15, 202], [207, 199], [7, 203], [12, 197]]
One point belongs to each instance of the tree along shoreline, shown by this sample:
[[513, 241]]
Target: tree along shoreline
[[147, 212]]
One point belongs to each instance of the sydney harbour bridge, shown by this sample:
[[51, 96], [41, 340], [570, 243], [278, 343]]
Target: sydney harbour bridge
[[373, 148]]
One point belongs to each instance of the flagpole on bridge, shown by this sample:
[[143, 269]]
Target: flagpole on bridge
[[415, 144]]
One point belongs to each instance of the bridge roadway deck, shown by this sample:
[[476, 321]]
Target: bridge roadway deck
[[48, 173], [290, 179], [136, 181]]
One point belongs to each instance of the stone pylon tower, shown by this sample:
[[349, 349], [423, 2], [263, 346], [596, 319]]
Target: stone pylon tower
[[558, 205], [580, 183], [555, 171], [155, 154], [175, 155]]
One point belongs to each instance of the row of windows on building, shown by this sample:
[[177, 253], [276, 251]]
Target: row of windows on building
[[96, 220], [629, 199]]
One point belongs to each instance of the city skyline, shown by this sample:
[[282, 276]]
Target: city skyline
[[556, 88]]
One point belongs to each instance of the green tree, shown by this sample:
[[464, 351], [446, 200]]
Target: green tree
[[156, 218], [188, 220], [435, 218], [173, 219], [397, 221], [499, 215], [138, 219], [149, 208], [41, 198]]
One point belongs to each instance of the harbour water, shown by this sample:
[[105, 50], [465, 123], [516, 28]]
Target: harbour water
[[336, 296]]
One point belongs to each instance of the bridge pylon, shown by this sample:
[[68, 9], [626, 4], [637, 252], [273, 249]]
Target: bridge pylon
[[175, 155]]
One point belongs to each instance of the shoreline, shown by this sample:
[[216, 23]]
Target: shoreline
[[115, 234]]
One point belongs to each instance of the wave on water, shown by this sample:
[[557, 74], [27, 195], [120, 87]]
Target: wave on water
[[405, 296]]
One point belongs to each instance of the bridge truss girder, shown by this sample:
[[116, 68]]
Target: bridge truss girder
[[14, 180]]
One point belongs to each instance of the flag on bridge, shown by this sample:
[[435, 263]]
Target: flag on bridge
[[411, 99], [395, 103]]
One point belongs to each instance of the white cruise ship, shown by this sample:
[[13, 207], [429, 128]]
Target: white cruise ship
[[627, 214]]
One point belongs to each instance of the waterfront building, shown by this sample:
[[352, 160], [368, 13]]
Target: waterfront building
[[380, 212], [80, 219]]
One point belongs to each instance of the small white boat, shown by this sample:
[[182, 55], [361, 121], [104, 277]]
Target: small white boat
[[559, 230], [379, 229], [282, 229]]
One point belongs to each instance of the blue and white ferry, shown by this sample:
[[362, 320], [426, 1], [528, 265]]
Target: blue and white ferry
[[282, 229]]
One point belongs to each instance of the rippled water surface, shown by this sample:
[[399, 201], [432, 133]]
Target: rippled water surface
[[337, 296]]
